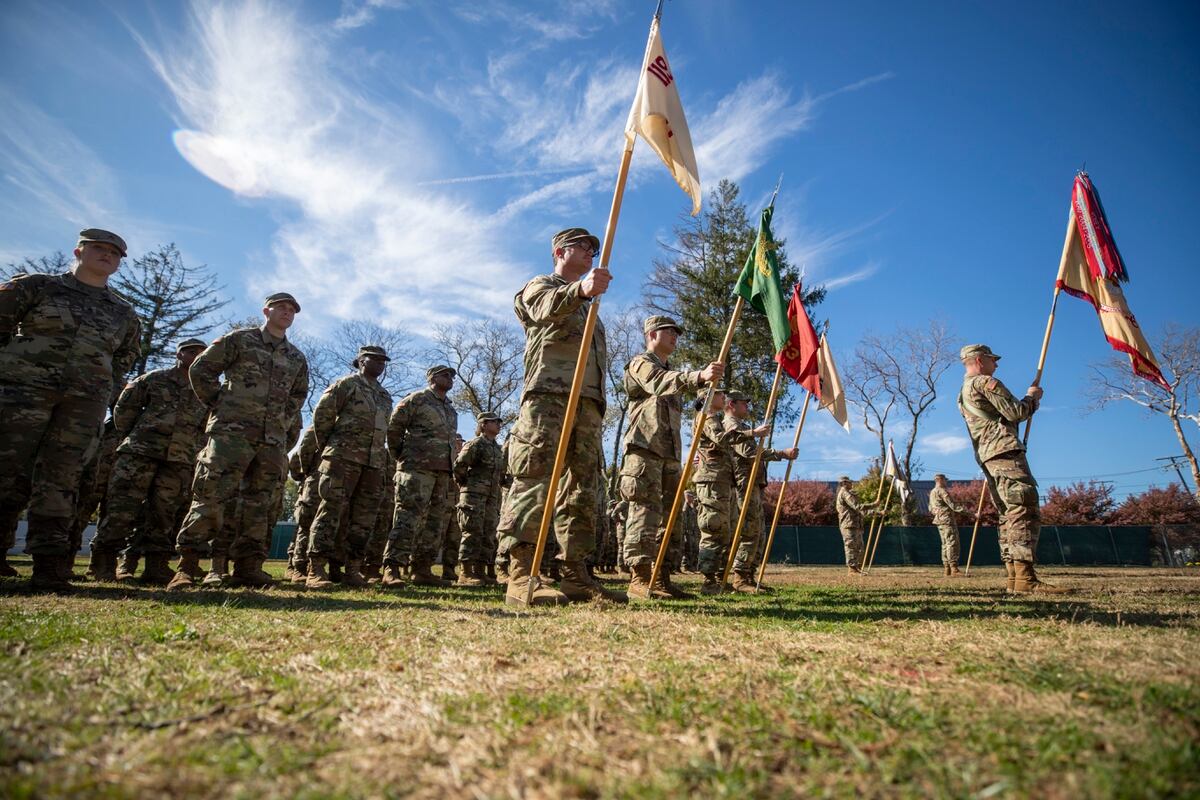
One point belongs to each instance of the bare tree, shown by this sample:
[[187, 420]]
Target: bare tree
[[330, 357], [53, 264], [625, 340], [900, 371], [173, 300], [1179, 353], [487, 355]]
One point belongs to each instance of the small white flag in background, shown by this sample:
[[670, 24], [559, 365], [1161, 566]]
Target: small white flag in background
[[891, 469], [833, 397]]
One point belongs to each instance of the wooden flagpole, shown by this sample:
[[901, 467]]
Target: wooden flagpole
[[782, 490], [871, 525], [585, 349], [697, 432], [1062, 267], [975, 530], [882, 518], [749, 493]]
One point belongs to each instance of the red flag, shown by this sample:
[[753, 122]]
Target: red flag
[[1092, 270], [799, 355]]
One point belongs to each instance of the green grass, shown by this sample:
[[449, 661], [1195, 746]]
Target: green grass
[[901, 684]]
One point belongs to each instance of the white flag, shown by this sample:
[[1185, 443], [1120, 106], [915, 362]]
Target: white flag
[[833, 397], [891, 469], [658, 116]]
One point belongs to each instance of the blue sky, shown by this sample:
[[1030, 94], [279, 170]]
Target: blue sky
[[408, 161]]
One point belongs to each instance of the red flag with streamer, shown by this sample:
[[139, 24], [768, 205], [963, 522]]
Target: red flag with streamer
[[799, 355]]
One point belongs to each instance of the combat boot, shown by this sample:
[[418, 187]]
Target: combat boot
[[218, 573], [318, 578], [580, 587], [372, 571], [127, 567], [954, 571], [1025, 581], [470, 574], [66, 567], [946, 571], [102, 566], [47, 575], [392, 577], [248, 571], [301, 570], [665, 584], [187, 571], [158, 570], [353, 577], [502, 575], [7, 570], [488, 574], [291, 573], [742, 584], [520, 567], [852, 570], [333, 567], [712, 583], [450, 574], [639, 584], [422, 575], [1011, 571]]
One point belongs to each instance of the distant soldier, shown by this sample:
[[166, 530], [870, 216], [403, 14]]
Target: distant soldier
[[421, 438], [66, 342], [553, 309], [618, 510], [452, 533], [302, 468], [159, 423], [350, 424], [650, 470], [251, 417], [691, 532], [850, 520], [992, 413], [93, 492], [744, 449], [943, 510], [479, 473]]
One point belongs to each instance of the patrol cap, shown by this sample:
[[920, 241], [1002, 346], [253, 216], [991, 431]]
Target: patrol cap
[[369, 350], [186, 343], [939, 475], [281, 297], [488, 416], [658, 322], [571, 236], [438, 369], [972, 350], [844, 479], [736, 396], [101, 235]]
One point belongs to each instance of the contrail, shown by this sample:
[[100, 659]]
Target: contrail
[[501, 175]]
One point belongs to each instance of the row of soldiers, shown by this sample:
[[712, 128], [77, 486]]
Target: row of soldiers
[[66, 340]]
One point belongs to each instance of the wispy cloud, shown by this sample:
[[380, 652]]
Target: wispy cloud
[[944, 443], [845, 279], [357, 13]]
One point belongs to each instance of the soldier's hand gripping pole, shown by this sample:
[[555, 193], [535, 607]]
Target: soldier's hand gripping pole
[[787, 473], [882, 518], [585, 349], [1062, 268], [975, 530], [749, 492], [697, 432]]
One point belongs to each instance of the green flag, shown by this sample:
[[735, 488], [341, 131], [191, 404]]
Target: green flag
[[759, 282]]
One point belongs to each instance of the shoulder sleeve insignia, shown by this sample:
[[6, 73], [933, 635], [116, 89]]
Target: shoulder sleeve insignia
[[991, 385]]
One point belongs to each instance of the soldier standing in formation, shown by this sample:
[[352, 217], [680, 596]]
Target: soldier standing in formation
[[943, 510], [66, 342], [302, 468], [691, 533], [350, 426], [159, 423], [251, 415], [745, 449], [421, 438], [992, 413], [479, 473], [850, 520], [650, 470], [552, 309]]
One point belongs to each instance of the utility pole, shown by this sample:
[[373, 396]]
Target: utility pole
[[1178, 471]]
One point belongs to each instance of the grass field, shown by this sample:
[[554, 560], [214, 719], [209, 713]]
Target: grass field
[[901, 684]]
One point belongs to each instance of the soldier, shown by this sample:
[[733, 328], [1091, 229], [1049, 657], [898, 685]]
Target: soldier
[[452, 534], [691, 533], [992, 413], [373, 555], [650, 469], [421, 439], [552, 309], [252, 415], [158, 422], [943, 510], [617, 512], [850, 520], [350, 425], [93, 494], [744, 449], [302, 468], [66, 342], [479, 472]]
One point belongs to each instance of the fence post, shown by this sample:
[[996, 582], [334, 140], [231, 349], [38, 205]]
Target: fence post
[[1162, 531], [1061, 552], [1113, 539]]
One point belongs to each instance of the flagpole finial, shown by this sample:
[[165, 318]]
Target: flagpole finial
[[776, 192], [658, 10]]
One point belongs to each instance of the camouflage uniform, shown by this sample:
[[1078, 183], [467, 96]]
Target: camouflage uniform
[[252, 414], [479, 472], [159, 422], [617, 512], [992, 413], [752, 541], [377, 541], [943, 510], [651, 469], [552, 312], [691, 537], [65, 347], [713, 483], [420, 437], [350, 423], [302, 468], [93, 485], [850, 519]]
